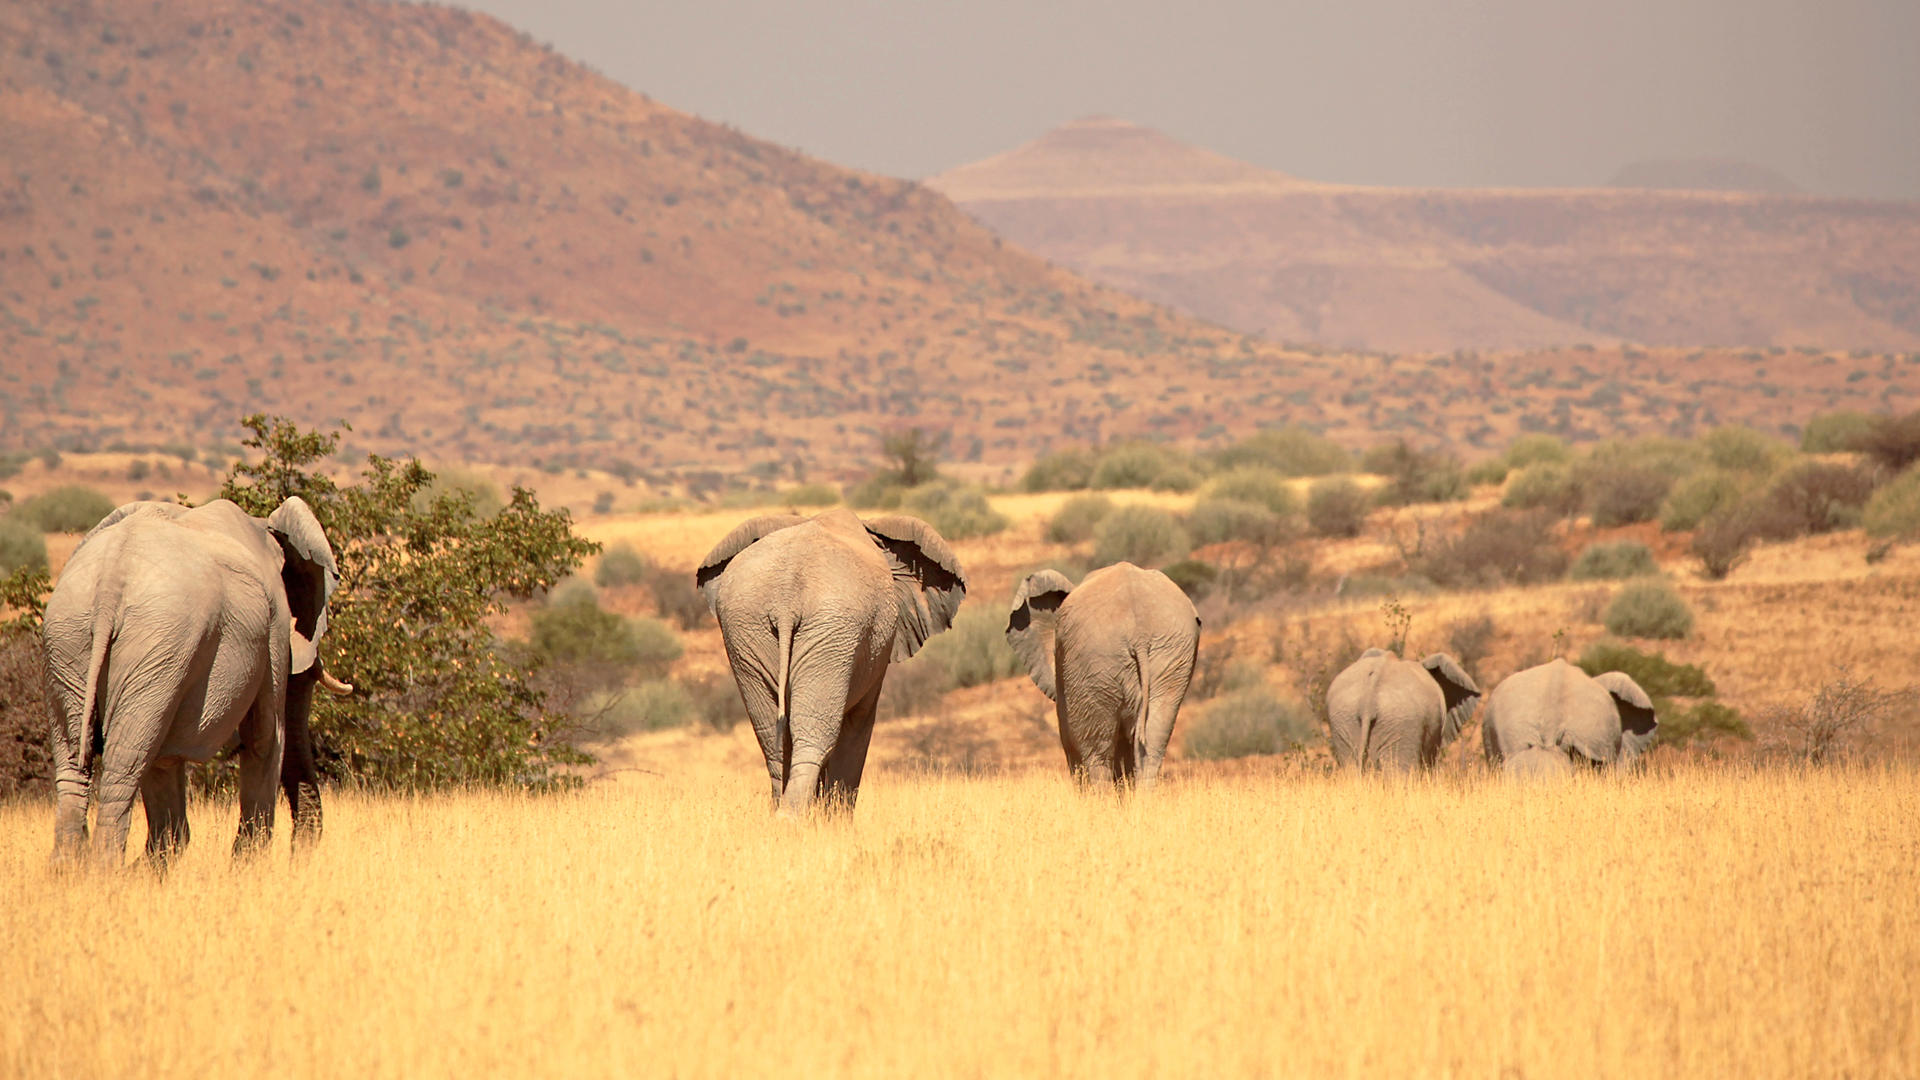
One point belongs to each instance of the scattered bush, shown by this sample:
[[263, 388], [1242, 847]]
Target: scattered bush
[[1247, 722], [1179, 479], [1698, 497], [26, 753], [1489, 472], [676, 597], [913, 688], [1142, 535], [1076, 519], [1415, 476], [1194, 577], [1744, 450], [1548, 486], [1649, 609], [1702, 720], [974, 650], [573, 630], [1892, 513], [1625, 495], [1218, 521], [1723, 542], [654, 705], [1614, 561], [1537, 449], [956, 512], [810, 495], [1815, 497], [1845, 714], [1836, 432], [483, 497], [1066, 470], [1337, 507], [1289, 451], [1501, 547], [70, 509], [1892, 441], [1139, 465], [619, 566], [21, 545], [1248, 484], [1657, 675], [1471, 642], [1673, 458]]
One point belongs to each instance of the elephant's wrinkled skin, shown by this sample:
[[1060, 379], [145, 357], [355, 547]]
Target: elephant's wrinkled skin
[[1387, 713], [172, 634], [812, 610], [1555, 709], [1115, 654]]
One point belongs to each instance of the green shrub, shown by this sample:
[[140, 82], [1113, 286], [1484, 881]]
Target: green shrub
[[974, 650], [621, 565], [1549, 486], [1337, 507], [654, 705], [1836, 432], [1649, 609], [1245, 722], [1177, 478], [573, 630], [21, 545], [1490, 471], [1074, 522], [1504, 547], [1626, 494], [1142, 535], [810, 495], [956, 512], [881, 491], [1219, 521], [485, 497], [1195, 578], [1657, 675], [1415, 476], [1066, 470], [1894, 510], [1290, 451], [1249, 484], [70, 509], [1673, 458], [1136, 465], [1698, 497], [1537, 449], [1742, 449], [1701, 720], [1614, 561]]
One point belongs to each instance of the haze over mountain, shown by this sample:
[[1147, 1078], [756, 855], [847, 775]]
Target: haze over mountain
[[1702, 174], [1418, 269]]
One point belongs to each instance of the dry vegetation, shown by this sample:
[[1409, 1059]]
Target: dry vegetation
[[1709, 922]]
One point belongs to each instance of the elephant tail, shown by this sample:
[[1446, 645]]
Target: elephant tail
[[1369, 716], [1143, 663], [104, 608], [782, 681]]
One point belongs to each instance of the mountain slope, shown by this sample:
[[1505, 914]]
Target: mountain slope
[[1399, 269]]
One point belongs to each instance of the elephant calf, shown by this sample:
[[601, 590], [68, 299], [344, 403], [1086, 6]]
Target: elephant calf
[[1548, 719], [1385, 712], [812, 610], [1115, 655]]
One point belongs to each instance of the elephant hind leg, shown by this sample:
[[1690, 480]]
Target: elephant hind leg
[[840, 778], [71, 789], [164, 791]]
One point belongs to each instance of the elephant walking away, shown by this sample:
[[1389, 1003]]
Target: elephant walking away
[[1115, 655], [1556, 710], [174, 633], [812, 610], [1387, 713]]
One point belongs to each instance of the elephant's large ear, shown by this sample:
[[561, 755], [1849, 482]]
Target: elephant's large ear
[[1457, 687], [308, 572], [1030, 623], [1637, 719], [927, 580], [122, 513], [707, 576]]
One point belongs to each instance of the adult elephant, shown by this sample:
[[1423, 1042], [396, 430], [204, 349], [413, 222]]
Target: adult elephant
[[175, 633], [1556, 710], [1115, 655], [812, 610], [1387, 713]]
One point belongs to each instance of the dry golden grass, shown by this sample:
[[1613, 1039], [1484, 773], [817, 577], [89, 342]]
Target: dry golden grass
[[1707, 923]]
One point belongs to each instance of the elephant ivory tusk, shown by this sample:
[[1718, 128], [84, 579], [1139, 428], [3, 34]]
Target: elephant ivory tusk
[[334, 685]]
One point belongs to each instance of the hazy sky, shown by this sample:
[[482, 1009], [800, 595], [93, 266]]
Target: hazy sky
[[1411, 92]]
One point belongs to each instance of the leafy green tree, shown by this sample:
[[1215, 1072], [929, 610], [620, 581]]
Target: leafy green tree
[[436, 704]]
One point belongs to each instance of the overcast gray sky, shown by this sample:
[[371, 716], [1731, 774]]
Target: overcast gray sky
[[1403, 92]]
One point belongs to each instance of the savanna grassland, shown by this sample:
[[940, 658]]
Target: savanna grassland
[[1715, 921]]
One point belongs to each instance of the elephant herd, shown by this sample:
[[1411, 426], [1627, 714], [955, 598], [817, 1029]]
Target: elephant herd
[[175, 633]]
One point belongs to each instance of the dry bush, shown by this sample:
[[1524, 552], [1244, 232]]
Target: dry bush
[[26, 758], [1470, 641], [1614, 562], [1142, 535], [1076, 519], [914, 688], [1892, 441], [1625, 494], [1813, 497], [1549, 485], [1894, 511], [944, 747], [1649, 609], [1502, 547], [1723, 542], [1841, 720], [1248, 721], [1337, 507]]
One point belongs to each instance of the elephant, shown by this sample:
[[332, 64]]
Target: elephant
[[811, 611], [1115, 655], [1556, 710], [1389, 713], [175, 633]]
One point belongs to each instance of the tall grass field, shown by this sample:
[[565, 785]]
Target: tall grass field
[[1731, 922]]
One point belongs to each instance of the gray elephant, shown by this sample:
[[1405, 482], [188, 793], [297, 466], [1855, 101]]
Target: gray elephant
[[1388, 713], [812, 610], [1115, 655], [1556, 710], [172, 634]]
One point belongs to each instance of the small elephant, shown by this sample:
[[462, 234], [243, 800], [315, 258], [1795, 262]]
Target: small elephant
[[1389, 713], [812, 610], [1115, 655], [172, 634], [1556, 710]]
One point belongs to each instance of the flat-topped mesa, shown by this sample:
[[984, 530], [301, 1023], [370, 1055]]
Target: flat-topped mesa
[[1097, 154]]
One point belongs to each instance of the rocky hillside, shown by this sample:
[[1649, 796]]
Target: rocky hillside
[[1396, 269]]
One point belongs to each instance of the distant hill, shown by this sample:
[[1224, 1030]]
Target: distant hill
[[1703, 174], [419, 220], [1402, 269]]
